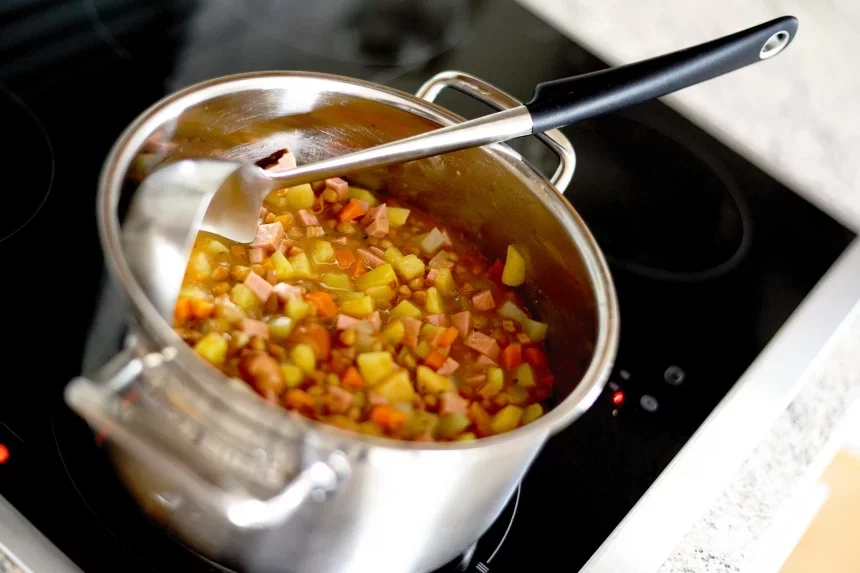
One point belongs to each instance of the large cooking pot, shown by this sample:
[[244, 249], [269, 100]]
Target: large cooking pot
[[257, 487]]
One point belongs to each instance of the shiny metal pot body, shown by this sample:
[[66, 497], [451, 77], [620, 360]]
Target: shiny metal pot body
[[256, 487]]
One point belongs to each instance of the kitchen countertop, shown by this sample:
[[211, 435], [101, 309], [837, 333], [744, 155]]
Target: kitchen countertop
[[796, 117]]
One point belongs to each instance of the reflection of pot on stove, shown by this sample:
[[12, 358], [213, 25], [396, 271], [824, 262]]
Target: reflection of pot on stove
[[333, 36]]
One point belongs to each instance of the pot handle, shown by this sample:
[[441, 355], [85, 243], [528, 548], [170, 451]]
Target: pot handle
[[498, 99], [120, 419]]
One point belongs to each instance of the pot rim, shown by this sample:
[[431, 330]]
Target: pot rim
[[171, 107]]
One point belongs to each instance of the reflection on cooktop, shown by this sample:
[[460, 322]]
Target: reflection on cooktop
[[658, 206], [30, 164]]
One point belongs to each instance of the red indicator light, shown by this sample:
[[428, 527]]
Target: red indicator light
[[4, 453], [618, 398]]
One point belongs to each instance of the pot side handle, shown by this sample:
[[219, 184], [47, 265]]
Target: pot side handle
[[501, 100], [137, 432]]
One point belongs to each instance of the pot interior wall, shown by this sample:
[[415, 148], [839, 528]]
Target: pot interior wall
[[491, 197]]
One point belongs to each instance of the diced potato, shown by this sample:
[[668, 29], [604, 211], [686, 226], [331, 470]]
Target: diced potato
[[363, 195], [431, 383], [517, 394], [452, 424], [199, 265], [434, 303], [375, 366], [292, 374], [466, 437], [369, 429], [494, 384], [358, 308], [383, 275], [303, 356], [350, 295], [444, 281], [429, 331], [506, 419], [397, 216], [524, 375], [439, 261], [394, 332], [322, 252], [512, 311], [244, 297], [297, 308], [337, 281], [214, 246], [194, 291], [409, 267], [421, 423], [281, 327], [391, 255], [531, 413], [406, 308], [213, 348], [300, 197], [405, 358], [514, 273], [422, 350], [432, 241], [282, 267], [381, 293], [535, 330], [396, 387], [228, 310], [301, 266]]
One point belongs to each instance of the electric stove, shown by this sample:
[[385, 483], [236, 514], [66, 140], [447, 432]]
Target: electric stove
[[711, 258]]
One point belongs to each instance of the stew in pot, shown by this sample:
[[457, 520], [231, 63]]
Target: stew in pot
[[367, 315]]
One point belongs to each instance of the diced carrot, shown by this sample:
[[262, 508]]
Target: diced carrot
[[182, 310], [535, 357], [387, 417], [324, 303], [202, 308], [299, 399], [350, 211], [344, 258], [481, 418], [358, 270], [435, 360], [352, 379], [512, 356], [316, 336], [447, 336]]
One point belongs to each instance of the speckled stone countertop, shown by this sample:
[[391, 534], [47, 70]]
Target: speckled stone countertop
[[798, 117]]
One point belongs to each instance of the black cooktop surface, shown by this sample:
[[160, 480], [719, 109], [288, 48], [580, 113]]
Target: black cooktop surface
[[710, 255]]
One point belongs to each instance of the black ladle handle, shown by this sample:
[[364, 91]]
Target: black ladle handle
[[570, 100]]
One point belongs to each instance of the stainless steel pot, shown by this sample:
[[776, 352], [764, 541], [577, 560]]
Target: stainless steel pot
[[254, 486]]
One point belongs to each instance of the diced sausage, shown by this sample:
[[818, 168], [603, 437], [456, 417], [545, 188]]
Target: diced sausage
[[375, 320], [315, 231], [448, 367], [256, 255], [412, 326], [523, 338], [484, 300], [263, 372], [364, 206], [379, 228], [340, 241], [285, 244], [378, 213], [269, 236], [339, 400], [476, 380], [259, 286], [344, 322], [431, 275], [287, 291], [339, 186], [285, 162], [463, 322], [486, 361], [263, 212], [452, 403], [254, 327], [447, 242], [376, 251], [484, 344], [307, 218], [369, 258], [376, 400], [437, 319]]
